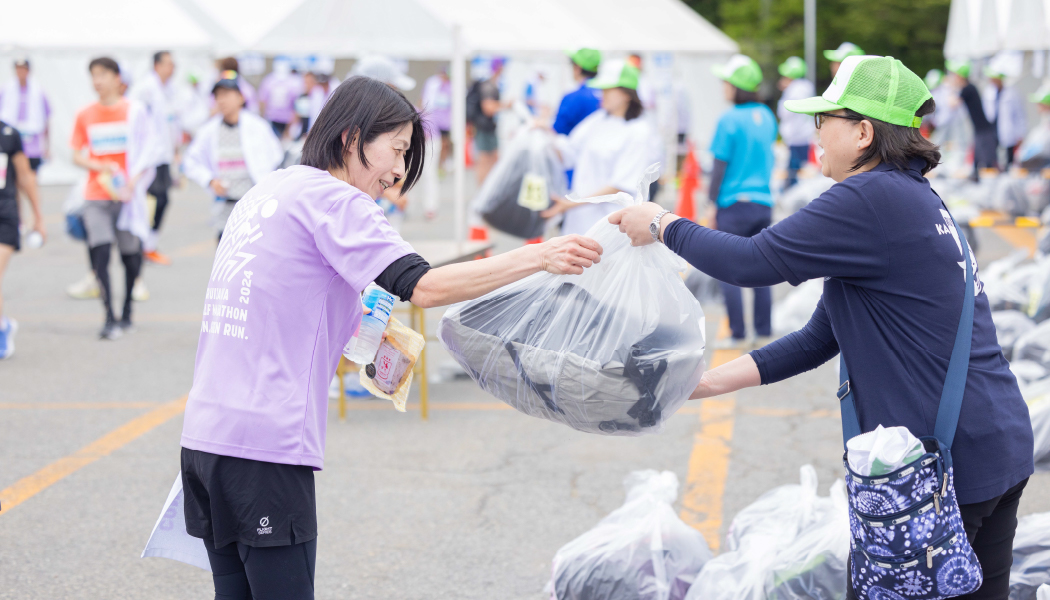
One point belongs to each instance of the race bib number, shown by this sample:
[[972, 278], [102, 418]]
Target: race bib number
[[533, 194], [108, 138], [3, 171]]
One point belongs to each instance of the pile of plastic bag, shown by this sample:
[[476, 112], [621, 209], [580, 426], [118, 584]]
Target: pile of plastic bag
[[789, 544], [640, 551], [794, 311], [1031, 568], [520, 184], [615, 351]]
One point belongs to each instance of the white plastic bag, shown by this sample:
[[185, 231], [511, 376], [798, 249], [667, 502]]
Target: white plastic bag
[[169, 538], [1031, 568], [883, 450], [787, 541], [520, 184], [1010, 325], [616, 350], [1037, 396], [794, 311], [640, 551]]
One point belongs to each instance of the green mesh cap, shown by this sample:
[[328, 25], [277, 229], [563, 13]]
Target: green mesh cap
[[587, 59], [615, 73], [844, 51], [880, 87], [959, 67], [1042, 95], [793, 68], [741, 71], [933, 78]]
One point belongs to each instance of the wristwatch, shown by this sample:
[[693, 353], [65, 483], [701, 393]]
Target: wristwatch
[[654, 227]]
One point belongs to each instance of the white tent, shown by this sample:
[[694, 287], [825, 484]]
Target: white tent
[[981, 28], [60, 37], [456, 29]]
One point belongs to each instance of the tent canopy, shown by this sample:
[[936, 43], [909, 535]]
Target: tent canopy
[[981, 28], [422, 29], [109, 24]]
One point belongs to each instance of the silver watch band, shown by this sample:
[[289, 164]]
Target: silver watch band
[[654, 227]]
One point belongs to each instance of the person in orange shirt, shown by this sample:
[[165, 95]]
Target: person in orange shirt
[[100, 143]]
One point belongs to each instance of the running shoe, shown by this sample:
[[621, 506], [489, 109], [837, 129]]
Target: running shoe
[[111, 331], [7, 338], [156, 257], [762, 340], [731, 343], [85, 289], [126, 326], [139, 292]]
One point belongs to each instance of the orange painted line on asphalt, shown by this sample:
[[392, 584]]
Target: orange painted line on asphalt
[[1018, 237], [790, 412], [29, 486], [383, 405], [198, 249], [705, 481], [74, 405]]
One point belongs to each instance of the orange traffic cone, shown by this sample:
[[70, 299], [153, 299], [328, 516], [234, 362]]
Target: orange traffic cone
[[690, 182]]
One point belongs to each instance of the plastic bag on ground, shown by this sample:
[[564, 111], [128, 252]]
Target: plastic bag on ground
[[1010, 325], [615, 351], [883, 450], [169, 538], [1034, 345], [1031, 568], [640, 551], [520, 184], [793, 312], [789, 542], [1037, 396]]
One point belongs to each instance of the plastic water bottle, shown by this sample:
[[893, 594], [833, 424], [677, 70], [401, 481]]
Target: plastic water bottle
[[372, 325]]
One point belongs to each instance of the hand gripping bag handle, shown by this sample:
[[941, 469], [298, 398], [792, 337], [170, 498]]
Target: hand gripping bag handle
[[954, 381]]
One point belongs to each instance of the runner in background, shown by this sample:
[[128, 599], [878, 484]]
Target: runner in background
[[320, 93], [1004, 107], [277, 94], [609, 150], [251, 101], [114, 140], [483, 104], [741, 202], [437, 106], [15, 173], [24, 106], [578, 104], [796, 130], [158, 94], [985, 137], [836, 56], [232, 151]]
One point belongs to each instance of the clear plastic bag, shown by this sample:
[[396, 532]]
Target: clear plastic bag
[[520, 184], [615, 351], [794, 311], [1037, 395], [640, 551], [1010, 325], [787, 544], [390, 375], [1031, 567]]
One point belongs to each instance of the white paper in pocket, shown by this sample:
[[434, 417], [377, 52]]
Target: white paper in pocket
[[169, 538]]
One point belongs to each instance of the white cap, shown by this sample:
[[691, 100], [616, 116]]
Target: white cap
[[384, 69]]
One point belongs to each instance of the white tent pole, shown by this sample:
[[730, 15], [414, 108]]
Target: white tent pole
[[459, 130]]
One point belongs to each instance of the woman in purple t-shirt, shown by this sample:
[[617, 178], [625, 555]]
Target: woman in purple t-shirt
[[283, 298]]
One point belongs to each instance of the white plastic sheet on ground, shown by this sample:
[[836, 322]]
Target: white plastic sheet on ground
[[789, 544], [1031, 568], [640, 551], [615, 351], [169, 538]]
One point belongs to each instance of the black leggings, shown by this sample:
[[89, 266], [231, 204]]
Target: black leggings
[[990, 527], [244, 572]]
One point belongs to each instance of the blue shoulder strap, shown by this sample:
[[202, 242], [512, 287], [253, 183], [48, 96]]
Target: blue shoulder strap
[[954, 381]]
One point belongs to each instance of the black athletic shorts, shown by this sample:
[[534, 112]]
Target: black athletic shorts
[[9, 234], [161, 181], [34, 163], [256, 503]]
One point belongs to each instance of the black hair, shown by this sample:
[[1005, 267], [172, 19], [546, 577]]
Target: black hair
[[744, 97], [369, 108], [898, 145], [229, 64], [586, 74], [634, 107], [106, 63], [159, 56]]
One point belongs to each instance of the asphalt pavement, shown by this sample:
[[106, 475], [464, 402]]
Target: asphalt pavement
[[472, 503]]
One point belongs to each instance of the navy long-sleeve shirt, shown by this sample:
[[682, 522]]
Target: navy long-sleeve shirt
[[893, 271]]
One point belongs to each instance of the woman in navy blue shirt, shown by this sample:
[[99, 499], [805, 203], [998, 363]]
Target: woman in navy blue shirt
[[894, 276]]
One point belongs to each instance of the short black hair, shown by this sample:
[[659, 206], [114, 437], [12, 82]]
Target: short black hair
[[229, 64], [634, 107], [159, 56], [369, 108], [106, 63], [744, 97], [588, 74], [898, 145]]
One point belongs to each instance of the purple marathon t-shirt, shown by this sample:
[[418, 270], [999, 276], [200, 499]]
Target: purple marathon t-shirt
[[282, 301]]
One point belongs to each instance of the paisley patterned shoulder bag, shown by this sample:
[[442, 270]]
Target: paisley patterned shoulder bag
[[907, 539]]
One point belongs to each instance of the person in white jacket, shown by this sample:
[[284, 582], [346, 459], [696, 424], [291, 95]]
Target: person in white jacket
[[232, 151], [1004, 107], [796, 130]]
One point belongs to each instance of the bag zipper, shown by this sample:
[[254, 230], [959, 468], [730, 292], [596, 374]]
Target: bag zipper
[[899, 516], [913, 559]]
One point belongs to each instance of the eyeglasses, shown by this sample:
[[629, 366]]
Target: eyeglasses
[[819, 118]]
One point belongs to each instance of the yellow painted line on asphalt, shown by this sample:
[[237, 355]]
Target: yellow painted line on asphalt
[[198, 249], [29, 486], [790, 412], [1018, 237], [705, 481], [384, 405], [75, 405]]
